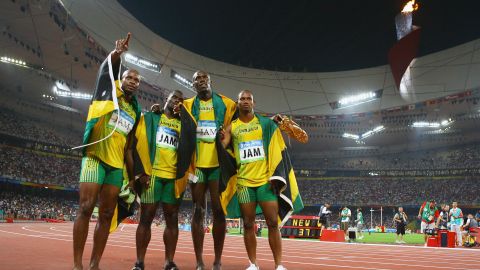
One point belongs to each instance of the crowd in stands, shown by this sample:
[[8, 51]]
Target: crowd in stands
[[457, 158], [388, 191], [32, 207], [53, 169], [20, 126], [39, 167]]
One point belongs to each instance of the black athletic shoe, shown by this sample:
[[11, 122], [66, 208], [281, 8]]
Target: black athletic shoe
[[170, 266], [139, 266]]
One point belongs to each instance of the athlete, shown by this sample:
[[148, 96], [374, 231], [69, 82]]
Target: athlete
[[208, 111], [101, 174], [159, 185], [253, 185]]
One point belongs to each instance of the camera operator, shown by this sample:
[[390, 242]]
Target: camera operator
[[444, 218], [324, 215], [400, 220]]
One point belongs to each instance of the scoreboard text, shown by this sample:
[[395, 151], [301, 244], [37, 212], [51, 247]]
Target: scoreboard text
[[302, 227]]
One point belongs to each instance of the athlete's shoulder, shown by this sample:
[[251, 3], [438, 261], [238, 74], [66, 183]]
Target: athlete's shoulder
[[227, 100]]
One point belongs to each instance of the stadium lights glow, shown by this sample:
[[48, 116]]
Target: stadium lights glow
[[142, 62], [367, 134], [13, 61], [76, 95], [371, 132], [351, 100], [357, 99], [351, 136], [422, 124], [181, 80]]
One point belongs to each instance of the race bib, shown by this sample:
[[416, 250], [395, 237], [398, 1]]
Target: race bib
[[125, 124], [251, 151], [167, 138], [206, 130]]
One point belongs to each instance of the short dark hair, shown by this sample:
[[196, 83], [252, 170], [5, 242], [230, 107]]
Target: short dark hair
[[130, 71]]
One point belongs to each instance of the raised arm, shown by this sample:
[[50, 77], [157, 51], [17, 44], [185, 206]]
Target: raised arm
[[121, 46]]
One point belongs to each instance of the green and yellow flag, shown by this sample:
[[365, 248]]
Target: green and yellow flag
[[279, 169], [145, 150], [105, 98], [224, 110]]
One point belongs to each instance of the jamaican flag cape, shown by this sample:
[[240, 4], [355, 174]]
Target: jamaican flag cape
[[145, 150], [279, 169], [224, 111], [105, 98], [127, 203]]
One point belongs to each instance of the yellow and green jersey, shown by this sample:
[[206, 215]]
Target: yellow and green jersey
[[111, 151], [249, 153], [206, 131], [166, 144]]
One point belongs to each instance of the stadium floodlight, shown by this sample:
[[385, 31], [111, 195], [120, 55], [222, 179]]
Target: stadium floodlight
[[373, 131], [76, 95], [13, 61], [446, 123], [357, 99], [181, 80], [142, 62], [426, 124], [351, 136], [349, 100]]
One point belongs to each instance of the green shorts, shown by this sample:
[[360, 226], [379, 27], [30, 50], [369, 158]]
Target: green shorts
[[205, 175], [160, 189], [261, 193], [96, 171]]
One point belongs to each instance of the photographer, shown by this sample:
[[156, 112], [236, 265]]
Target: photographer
[[444, 218], [400, 220], [324, 215]]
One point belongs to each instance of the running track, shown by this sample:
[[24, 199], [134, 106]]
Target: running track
[[49, 246]]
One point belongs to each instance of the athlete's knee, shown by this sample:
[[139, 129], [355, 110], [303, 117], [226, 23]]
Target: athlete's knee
[[85, 208], [171, 218], [272, 224], [218, 214], [106, 214], [198, 213], [248, 225], [145, 221]]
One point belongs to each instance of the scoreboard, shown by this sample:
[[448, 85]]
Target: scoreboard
[[302, 227]]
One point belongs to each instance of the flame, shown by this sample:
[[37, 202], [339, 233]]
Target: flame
[[410, 6]]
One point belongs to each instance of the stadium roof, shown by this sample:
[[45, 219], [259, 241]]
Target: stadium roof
[[301, 93], [314, 36]]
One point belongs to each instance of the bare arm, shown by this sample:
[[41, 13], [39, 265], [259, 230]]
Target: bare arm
[[226, 136], [121, 46]]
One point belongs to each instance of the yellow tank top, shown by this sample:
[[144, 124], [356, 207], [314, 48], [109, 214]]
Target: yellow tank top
[[111, 151], [166, 141], [206, 131], [249, 153]]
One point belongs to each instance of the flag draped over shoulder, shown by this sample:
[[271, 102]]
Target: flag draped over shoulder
[[145, 149], [224, 111], [127, 203], [279, 169], [105, 100]]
